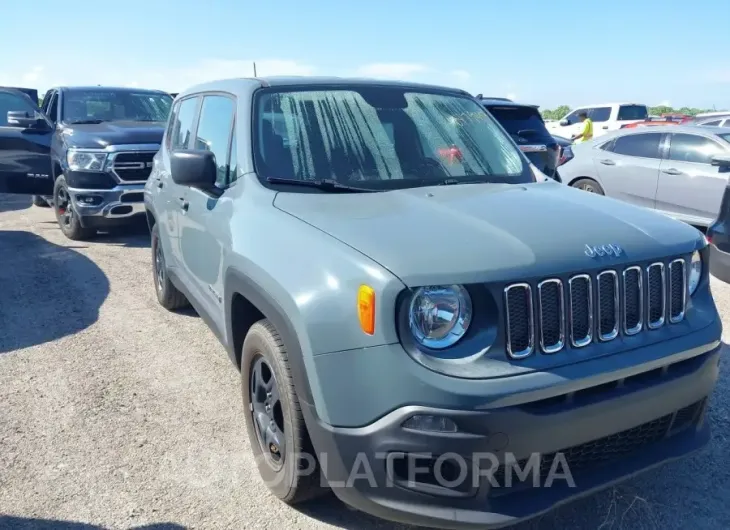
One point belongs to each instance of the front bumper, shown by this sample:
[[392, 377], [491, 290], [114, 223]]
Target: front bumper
[[107, 206], [606, 433]]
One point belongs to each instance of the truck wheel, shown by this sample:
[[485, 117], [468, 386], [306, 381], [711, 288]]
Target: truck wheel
[[276, 430], [40, 202], [68, 219], [589, 185], [167, 294]]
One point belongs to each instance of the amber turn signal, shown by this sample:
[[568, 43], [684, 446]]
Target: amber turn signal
[[366, 309]]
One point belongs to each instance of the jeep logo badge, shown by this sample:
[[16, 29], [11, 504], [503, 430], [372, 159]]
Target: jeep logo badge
[[600, 251]]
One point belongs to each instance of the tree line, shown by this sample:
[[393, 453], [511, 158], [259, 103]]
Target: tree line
[[561, 111]]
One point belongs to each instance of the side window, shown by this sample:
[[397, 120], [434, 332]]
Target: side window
[[726, 123], [233, 159], [10, 101], [214, 132], [692, 148], [641, 145], [608, 146], [600, 114], [181, 123], [573, 116], [632, 112], [714, 123], [46, 101], [52, 110]]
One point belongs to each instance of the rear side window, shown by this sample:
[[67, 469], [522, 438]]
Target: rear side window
[[641, 145], [181, 123], [600, 114], [633, 112], [713, 123], [524, 121], [691, 148], [214, 132]]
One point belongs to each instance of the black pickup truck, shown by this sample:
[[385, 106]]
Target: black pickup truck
[[87, 152]]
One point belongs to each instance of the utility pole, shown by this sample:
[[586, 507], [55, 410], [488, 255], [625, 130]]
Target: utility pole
[[254, 69]]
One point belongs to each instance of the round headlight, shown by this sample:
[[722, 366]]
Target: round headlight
[[439, 316], [695, 272]]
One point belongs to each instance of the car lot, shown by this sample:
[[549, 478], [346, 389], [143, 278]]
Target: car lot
[[118, 414]]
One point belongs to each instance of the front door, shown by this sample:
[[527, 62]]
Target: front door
[[629, 167], [25, 149], [205, 229], [690, 187]]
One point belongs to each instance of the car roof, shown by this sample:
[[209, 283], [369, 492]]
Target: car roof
[[712, 114], [503, 102], [114, 88], [251, 83], [611, 105], [689, 129]]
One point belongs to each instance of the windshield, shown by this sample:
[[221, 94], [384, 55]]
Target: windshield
[[522, 121], [111, 105], [381, 138], [725, 137]]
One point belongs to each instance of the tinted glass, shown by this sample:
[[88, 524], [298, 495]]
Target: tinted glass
[[52, 111], [713, 123], [573, 117], [600, 114], [691, 148], [214, 131], [111, 105], [643, 145], [633, 112], [182, 123], [381, 137], [14, 102], [522, 121]]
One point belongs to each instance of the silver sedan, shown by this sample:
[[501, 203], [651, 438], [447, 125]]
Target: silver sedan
[[681, 171]]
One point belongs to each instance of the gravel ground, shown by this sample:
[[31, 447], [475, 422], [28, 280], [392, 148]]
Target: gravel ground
[[118, 414]]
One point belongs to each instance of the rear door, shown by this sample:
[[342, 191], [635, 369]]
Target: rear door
[[690, 187], [629, 167], [25, 160], [526, 127], [601, 118]]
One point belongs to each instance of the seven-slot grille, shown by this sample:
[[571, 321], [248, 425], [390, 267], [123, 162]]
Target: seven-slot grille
[[133, 166], [593, 307]]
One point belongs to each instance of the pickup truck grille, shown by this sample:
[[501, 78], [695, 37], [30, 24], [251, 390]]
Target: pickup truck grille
[[589, 308], [132, 166]]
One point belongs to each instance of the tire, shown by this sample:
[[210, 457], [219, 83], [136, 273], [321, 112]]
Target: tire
[[68, 220], [40, 202], [589, 185], [292, 480], [168, 295]]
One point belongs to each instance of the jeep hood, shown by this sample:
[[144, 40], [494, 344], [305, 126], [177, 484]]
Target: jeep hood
[[99, 136], [489, 232]]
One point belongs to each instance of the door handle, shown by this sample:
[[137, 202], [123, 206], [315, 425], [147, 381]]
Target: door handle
[[608, 162], [184, 204], [605, 127], [671, 171], [160, 184]]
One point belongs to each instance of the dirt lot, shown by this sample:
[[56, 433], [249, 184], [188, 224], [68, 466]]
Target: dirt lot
[[117, 414]]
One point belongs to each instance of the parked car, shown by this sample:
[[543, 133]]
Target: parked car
[[88, 152], [375, 258], [32, 93], [712, 119], [672, 170], [606, 117], [718, 234], [650, 123], [527, 128]]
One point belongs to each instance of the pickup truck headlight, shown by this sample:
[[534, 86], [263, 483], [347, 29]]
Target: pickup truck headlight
[[439, 316], [81, 160], [695, 272]]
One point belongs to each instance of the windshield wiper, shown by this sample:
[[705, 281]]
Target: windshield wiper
[[452, 181], [322, 184], [87, 122]]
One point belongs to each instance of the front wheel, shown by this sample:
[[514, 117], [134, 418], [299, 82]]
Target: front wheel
[[589, 185], [68, 219], [276, 430]]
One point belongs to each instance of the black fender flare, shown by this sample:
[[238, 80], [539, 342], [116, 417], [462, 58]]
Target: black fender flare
[[237, 282]]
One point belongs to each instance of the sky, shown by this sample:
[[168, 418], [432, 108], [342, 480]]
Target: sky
[[573, 52]]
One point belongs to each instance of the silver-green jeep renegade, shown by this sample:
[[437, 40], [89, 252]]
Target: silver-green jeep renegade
[[422, 325]]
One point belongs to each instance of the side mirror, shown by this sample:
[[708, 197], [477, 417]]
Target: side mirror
[[194, 168], [21, 118], [564, 123], [721, 161]]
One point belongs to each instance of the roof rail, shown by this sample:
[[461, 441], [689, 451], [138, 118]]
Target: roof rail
[[482, 96]]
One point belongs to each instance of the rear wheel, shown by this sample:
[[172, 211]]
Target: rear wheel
[[589, 185], [68, 219], [274, 421], [167, 294]]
